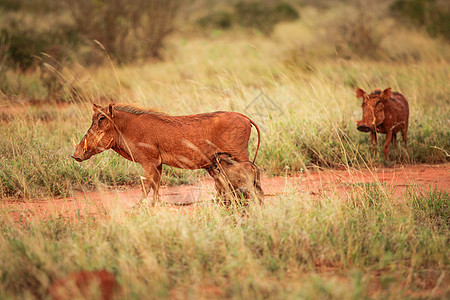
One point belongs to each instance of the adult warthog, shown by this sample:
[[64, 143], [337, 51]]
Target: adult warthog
[[384, 112], [153, 138]]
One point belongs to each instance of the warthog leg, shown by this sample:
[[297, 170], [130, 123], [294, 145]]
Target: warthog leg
[[394, 140], [151, 180], [259, 193], [373, 138], [386, 145], [404, 134]]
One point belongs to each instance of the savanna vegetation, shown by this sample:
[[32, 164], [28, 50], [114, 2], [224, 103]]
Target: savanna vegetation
[[292, 66], [299, 248]]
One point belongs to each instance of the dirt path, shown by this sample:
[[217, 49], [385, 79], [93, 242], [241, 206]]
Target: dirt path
[[339, 182]]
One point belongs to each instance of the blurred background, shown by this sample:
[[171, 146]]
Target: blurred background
[[40, 38]]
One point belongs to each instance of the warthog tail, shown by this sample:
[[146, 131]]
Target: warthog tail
[[259, 135]]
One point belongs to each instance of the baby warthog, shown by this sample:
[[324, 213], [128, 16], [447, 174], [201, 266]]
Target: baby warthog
[[384, 112], [153, 138], [236, 180]]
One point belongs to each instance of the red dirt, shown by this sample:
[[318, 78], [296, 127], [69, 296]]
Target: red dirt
[[317, 183]]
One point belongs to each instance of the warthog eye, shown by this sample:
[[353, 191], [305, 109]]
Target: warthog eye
[[101, 118]]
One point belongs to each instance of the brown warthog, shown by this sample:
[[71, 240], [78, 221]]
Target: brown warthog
[[85, 285], [234, 180], [152, 138], [385, 112]]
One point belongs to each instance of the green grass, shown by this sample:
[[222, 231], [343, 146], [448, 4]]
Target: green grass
[[367, 246]]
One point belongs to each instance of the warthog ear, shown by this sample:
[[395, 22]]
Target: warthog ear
[[360, 93], [95, 107], [386, 94], [111, 110]]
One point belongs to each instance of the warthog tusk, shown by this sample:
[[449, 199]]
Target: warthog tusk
[[73, 142], [374, 123], [85, 145], [356, 121]]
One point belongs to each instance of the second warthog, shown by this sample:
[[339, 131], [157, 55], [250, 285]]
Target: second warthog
[[384, 112]]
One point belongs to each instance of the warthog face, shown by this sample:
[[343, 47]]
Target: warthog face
[[373, 109], [100, 135]]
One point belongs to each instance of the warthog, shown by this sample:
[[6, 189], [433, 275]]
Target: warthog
[[234, 180], [85, 285], [385, 112], [153, 138]]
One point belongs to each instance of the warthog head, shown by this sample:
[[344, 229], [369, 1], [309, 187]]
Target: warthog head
[[236, 179], [100, 135], [373, 108]]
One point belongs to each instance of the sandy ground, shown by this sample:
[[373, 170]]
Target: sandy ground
[[187, 197]]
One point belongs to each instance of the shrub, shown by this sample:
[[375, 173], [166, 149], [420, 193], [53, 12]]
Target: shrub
[[433, 15], [219, 19], [127, 30], [34, 6], [23, 48], [356, 34], [12, 5], [262, 16], [20, 45]]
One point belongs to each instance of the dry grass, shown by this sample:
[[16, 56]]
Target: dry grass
[[299, 247]]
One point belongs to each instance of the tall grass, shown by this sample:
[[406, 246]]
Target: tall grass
[[372, 245]]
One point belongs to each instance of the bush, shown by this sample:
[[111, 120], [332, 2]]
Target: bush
[[20, 46], [34, 6], [23, 48], [11, 5], [356, 34], [219, 19], [250, 14], [433, 15], [262, 16], [127, 30]]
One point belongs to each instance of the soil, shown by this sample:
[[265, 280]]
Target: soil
[[398, 180]]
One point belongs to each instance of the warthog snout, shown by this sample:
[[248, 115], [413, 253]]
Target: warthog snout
[[81, 152], [76, 158], [363, 128]]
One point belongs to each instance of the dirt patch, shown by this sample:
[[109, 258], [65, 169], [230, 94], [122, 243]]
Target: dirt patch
[[328, 182]]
